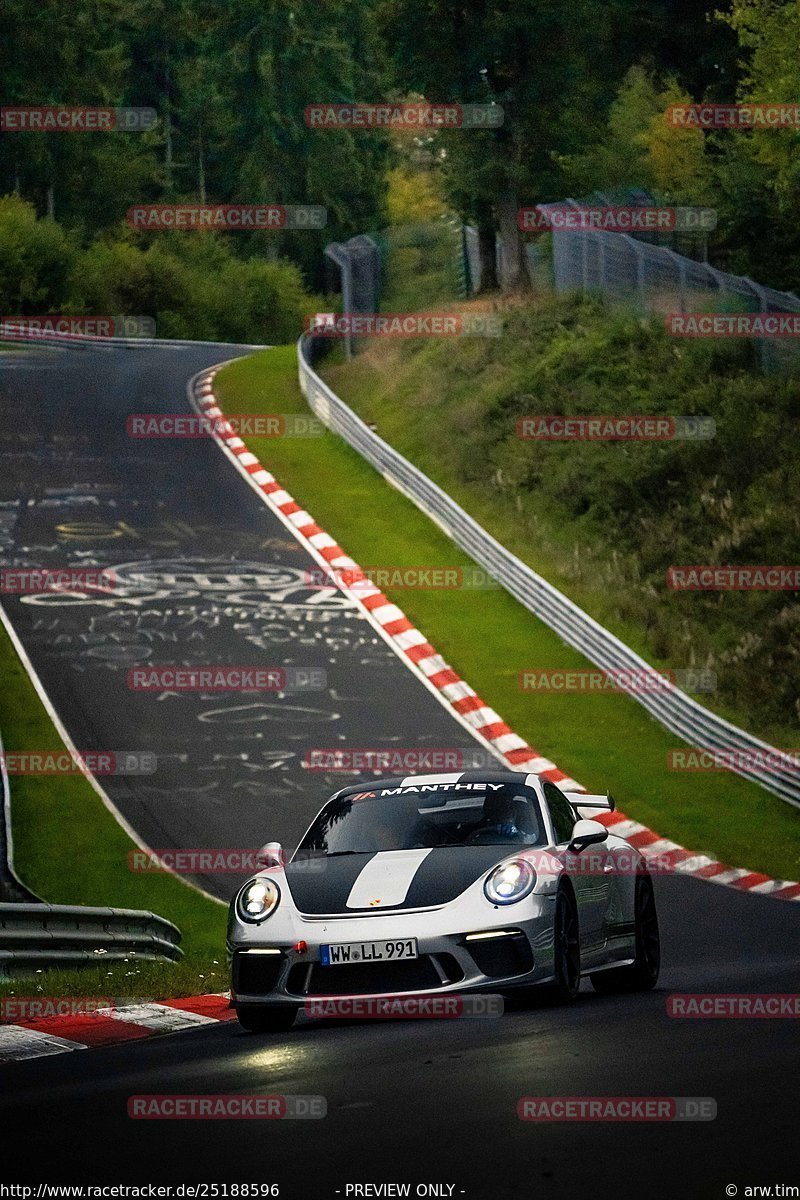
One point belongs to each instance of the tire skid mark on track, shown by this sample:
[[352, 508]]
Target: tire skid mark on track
[[415, 650]]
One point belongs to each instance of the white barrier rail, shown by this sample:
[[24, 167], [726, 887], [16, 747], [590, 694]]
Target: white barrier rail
[[33, 933], [44, 935], [11, 886]]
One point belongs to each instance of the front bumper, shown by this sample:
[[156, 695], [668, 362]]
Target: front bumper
[[494, 949]]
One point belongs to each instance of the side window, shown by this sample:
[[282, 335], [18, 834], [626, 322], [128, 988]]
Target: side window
[[561, 812]]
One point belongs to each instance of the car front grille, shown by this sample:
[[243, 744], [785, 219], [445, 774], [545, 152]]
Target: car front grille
[[365, 979]]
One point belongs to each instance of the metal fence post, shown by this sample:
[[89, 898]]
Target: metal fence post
[[339, 254], [640, 272], [465, 267], [601, 261], [763, 305], [359, 266], [682, 281]]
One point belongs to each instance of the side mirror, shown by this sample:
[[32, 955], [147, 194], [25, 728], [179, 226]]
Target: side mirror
[[272, 854], [587, 833]]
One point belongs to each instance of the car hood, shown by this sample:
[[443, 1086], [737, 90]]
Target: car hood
[[389, 881]]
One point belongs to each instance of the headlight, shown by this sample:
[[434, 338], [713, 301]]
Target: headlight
[[510, 882], [257, 899]]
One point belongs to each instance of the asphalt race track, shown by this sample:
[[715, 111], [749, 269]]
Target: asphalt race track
[[418, 1102], [435, 1101], [205, 575]]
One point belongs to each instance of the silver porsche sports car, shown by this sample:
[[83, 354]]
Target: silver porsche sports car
[[440, 884]]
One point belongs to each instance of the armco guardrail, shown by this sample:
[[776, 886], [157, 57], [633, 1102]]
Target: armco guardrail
[[36, 934], [11, 335], [672, 708], [46, 935], [11, 886]]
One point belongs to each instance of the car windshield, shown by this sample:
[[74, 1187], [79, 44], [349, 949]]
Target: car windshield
[[426, 816]]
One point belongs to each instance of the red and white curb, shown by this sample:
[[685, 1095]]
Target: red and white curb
[[466, 706], [109, 1026]]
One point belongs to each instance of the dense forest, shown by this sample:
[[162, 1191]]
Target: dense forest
[[583, 89]]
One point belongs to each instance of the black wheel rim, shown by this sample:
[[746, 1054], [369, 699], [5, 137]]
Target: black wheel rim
[[568, 947], [647, 928]]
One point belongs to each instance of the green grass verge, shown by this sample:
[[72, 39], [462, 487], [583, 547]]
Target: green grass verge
[[69, 849], [127, 982], [604, 521], [604, 741]]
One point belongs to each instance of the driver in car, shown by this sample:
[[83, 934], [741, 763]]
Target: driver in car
[[498, 820]]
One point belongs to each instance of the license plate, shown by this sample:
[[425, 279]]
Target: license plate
[[362, 952]]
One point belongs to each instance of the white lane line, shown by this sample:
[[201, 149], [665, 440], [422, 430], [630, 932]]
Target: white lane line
[[18, 1043]]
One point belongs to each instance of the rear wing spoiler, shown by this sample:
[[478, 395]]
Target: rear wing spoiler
[[584, 800]]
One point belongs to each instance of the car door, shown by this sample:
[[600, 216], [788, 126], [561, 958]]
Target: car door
[[591, 872]]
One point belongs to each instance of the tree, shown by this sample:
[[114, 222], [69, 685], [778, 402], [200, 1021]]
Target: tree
[[545, 64], [758, 170], [230, 84], [639, 149]]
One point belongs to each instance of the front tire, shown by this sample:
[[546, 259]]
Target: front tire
[[642, 975], [566, 949], [257, 1018]]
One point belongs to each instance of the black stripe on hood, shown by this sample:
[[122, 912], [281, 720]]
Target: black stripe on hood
[[449, 870], [323, 885], [444, 874]]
